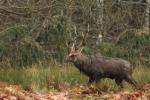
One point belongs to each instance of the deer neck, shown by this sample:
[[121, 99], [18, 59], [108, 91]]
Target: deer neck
[[82, 61]]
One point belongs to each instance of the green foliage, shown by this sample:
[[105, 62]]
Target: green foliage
[[131, 46], [54, 37], [17, 48], [13, 34]]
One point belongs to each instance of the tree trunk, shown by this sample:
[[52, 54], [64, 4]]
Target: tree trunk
[[147, 17], [100, 5]]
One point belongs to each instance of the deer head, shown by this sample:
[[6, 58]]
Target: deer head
[[74, 50], [74, 53]]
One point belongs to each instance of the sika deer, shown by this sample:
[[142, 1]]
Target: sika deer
[[98, 67]]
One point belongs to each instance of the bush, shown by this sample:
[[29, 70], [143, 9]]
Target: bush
[[54, 37], [18, 48], [131, 46]]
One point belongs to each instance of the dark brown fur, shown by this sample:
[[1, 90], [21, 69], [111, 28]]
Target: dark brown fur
[[97, 67]]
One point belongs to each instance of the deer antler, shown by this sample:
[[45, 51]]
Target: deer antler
[[72, 40], [84, 36]]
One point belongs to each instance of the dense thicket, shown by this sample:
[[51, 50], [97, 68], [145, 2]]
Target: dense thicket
[[34, 31]]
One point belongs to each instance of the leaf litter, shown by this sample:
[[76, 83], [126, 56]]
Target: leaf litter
[[16, 92]]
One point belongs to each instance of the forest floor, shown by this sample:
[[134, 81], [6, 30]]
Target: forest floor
[[16, 92]]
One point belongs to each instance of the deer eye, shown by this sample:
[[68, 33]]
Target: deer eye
[[72, 55]]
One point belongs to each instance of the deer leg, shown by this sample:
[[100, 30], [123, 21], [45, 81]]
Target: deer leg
[[130, 80], [97, 79], [119, 82], [91, 80]]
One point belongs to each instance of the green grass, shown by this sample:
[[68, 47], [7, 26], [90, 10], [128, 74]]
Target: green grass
[[43, 78], [39, 77]]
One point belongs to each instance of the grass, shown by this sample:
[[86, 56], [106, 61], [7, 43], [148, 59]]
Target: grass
[[41, 78]]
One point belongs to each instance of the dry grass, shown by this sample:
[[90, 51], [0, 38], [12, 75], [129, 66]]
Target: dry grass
[[57, 77]]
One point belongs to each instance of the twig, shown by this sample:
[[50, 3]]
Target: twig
[[134, 2], [118, 38], [11, 28], [42, 26], [23, 14]]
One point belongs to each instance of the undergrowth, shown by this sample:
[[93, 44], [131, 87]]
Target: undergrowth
[[57, 77]]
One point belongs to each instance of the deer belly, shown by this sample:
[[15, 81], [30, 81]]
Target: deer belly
[[93, 72], [111, 75]]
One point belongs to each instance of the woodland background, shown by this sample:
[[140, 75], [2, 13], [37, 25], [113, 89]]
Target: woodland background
[[33, 36]]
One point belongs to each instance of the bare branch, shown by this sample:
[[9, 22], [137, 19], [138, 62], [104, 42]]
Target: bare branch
[[6, 9], [134, 2]]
